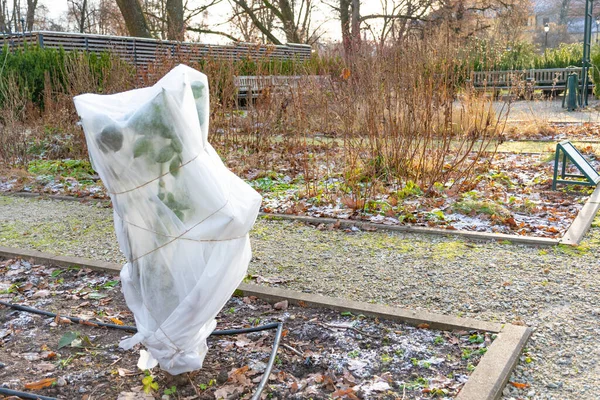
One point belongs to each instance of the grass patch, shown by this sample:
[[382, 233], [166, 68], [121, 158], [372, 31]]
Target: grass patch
[[78, 169], [470, 206]]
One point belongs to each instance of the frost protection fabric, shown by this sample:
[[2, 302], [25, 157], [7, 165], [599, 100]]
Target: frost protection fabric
[[181, 217]]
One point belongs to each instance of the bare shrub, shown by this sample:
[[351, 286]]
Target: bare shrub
[[388, 120]]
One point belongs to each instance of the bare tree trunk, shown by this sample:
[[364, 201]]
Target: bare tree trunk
[[350, 19], [287, 19], [30, 18], [175, 26], [134, 18], [3, 17], [356, 24], [16, 14], [82, 16], [564, 12]]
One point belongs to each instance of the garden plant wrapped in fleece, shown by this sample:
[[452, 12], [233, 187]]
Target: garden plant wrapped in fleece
[[181, 217]]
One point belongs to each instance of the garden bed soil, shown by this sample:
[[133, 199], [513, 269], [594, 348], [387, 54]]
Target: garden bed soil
[[514, 196], [324, 354]]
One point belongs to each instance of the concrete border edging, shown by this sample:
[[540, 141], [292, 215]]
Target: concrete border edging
[[583, 221], [486, 382], [492, 373], [535, 241], [412, 317]]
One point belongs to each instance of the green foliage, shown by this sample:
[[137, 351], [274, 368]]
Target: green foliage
[[170, 391], [476, 338], [79, 169], [466, 353], [483, 55], [470, 206], [520, 55], [74, 339], [31, 67], [409, 189], [148, 383], [565, 55], [595, 58]]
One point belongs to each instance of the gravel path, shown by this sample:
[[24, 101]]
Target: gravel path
[[549, 111], [554, 290]]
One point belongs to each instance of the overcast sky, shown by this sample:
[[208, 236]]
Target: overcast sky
[[218, 13]]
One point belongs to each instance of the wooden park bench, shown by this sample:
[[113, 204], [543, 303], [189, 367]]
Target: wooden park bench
[[249, 88], [523, 83]]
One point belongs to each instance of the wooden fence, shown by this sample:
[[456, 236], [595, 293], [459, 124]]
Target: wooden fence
[[141, 51]]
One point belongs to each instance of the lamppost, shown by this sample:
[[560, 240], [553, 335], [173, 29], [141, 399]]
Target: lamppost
[[597, 23], [546, 29]]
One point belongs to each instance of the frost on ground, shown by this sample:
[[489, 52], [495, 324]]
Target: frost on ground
[[324, 353], [514, 196], [553, 290]]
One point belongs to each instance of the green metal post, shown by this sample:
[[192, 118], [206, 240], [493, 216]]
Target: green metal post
[[587, 40], [571, 94], [556, 156]]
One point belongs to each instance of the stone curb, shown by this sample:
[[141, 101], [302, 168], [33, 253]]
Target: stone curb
[[493, 371], [583, 221], [486, 382], [412, 317], [347, 223]]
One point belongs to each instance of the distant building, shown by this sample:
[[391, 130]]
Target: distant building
[[565, 19]]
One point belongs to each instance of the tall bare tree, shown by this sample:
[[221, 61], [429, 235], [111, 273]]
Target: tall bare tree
[[294, 18], [30, 15], [393, 18], [134, 17], [79, 10], [12, 18], [242, 22], [175, 26]]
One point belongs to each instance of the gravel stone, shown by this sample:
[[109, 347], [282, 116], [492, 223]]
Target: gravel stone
[[554, 290]]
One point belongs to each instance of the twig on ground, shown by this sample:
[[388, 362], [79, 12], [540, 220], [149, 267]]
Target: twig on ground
[[192, 384], [116, 361], [293, 350]]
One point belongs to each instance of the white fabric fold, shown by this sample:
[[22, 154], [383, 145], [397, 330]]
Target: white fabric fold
[[181, 217]]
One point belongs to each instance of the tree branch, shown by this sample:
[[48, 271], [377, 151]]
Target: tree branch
[[397, 16], [256, 21], [212, 32]]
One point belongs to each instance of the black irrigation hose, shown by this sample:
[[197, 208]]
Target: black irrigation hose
[[72, 319], [269, 367], [24, 395], [259, 389]]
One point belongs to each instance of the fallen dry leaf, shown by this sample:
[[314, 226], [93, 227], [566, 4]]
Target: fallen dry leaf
[[44, 367], [41, 293], [40, 384], [125, 372], [520, 385], [225, 391], [282, 305], [349, 393], [423, 326], [116, 321], [60, 320]]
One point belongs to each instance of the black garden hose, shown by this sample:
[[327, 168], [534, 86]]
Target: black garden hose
[[259, 389], [24, 395]]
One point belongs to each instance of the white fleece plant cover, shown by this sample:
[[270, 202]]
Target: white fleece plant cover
[[181, 217]]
